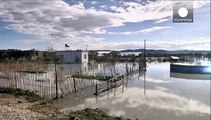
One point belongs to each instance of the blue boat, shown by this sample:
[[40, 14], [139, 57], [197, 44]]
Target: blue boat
[[190, 71]]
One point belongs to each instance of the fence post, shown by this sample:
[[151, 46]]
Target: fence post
[[126, 66], [96, 90], [107, 85], [16, 85], [74, 84], [56, 81]]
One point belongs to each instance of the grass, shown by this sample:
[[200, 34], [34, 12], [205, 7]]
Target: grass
[[92, 114], [26, 67], [30, 96], [102, 78]]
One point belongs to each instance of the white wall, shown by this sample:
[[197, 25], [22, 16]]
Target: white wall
[[84, 57], [129, 53], [70, 56], [102, 53]]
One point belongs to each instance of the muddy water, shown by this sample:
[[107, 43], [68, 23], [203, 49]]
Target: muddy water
[[150, 96]]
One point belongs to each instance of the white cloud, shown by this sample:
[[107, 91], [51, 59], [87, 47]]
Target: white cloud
[[161, 88], [152, 80], [144, 31], [162, 20], [155, 99], [94, 2], [103, 6], [156, 28], [196, 44], [28, 42], [58, 22], [117, 9], [161, 100]]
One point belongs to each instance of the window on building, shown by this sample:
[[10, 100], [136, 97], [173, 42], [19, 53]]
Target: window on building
[[84, 56]]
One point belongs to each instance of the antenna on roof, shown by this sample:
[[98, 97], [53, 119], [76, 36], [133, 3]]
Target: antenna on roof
[[86, 47], [67, 46]]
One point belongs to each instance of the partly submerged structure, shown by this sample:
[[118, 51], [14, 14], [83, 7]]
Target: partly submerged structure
[[101, 53], [190, 71], [72, 57], [130, 53], [174, 58]]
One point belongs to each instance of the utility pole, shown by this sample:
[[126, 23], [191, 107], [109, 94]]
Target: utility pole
[[145, 83], [86, 47], [145, 54]]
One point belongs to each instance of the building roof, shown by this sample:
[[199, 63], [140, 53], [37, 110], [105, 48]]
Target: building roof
[[130, 53], [102, 52], [174, 57], [72, 51]]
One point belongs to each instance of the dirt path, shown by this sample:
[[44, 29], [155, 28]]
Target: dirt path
[[17, 108]]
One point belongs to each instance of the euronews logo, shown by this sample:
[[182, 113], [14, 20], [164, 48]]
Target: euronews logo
[[183, 12]]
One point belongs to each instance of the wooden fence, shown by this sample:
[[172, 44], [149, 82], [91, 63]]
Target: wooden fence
[[43, 85]]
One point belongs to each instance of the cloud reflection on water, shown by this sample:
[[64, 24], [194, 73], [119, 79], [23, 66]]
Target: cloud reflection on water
[[133, 97], [181, 99]]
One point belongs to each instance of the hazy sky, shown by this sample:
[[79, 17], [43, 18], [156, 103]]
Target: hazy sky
[[103, 24]]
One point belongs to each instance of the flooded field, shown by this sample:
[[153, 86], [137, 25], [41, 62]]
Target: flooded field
[[44, 83], [153, 95]]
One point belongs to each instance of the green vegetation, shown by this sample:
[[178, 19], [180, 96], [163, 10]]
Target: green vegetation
[[51, 57], [33, 68], [29, 56], [92, 114], [30, 96], [91, 77], [110, 57]]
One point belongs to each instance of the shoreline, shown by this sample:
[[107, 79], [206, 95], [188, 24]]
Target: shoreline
[[17, 107]]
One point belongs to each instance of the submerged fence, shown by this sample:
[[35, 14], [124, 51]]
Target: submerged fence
[[44, 84], [114, 82]]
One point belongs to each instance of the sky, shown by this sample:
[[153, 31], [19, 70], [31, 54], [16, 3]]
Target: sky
[[102, 24]]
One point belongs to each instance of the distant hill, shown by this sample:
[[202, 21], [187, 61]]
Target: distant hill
[[166, 52], [189, 51]]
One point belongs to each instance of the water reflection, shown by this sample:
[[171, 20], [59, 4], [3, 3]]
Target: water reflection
[[71, 68], [133, 100], [191, 76], [161, 100], [152, 95]]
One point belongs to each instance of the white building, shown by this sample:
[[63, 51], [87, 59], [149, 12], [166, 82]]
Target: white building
[[174, 58], [130, 53], [72, 57], [101, 53]]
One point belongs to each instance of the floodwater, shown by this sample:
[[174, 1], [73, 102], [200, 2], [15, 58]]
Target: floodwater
[[153, 95]]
